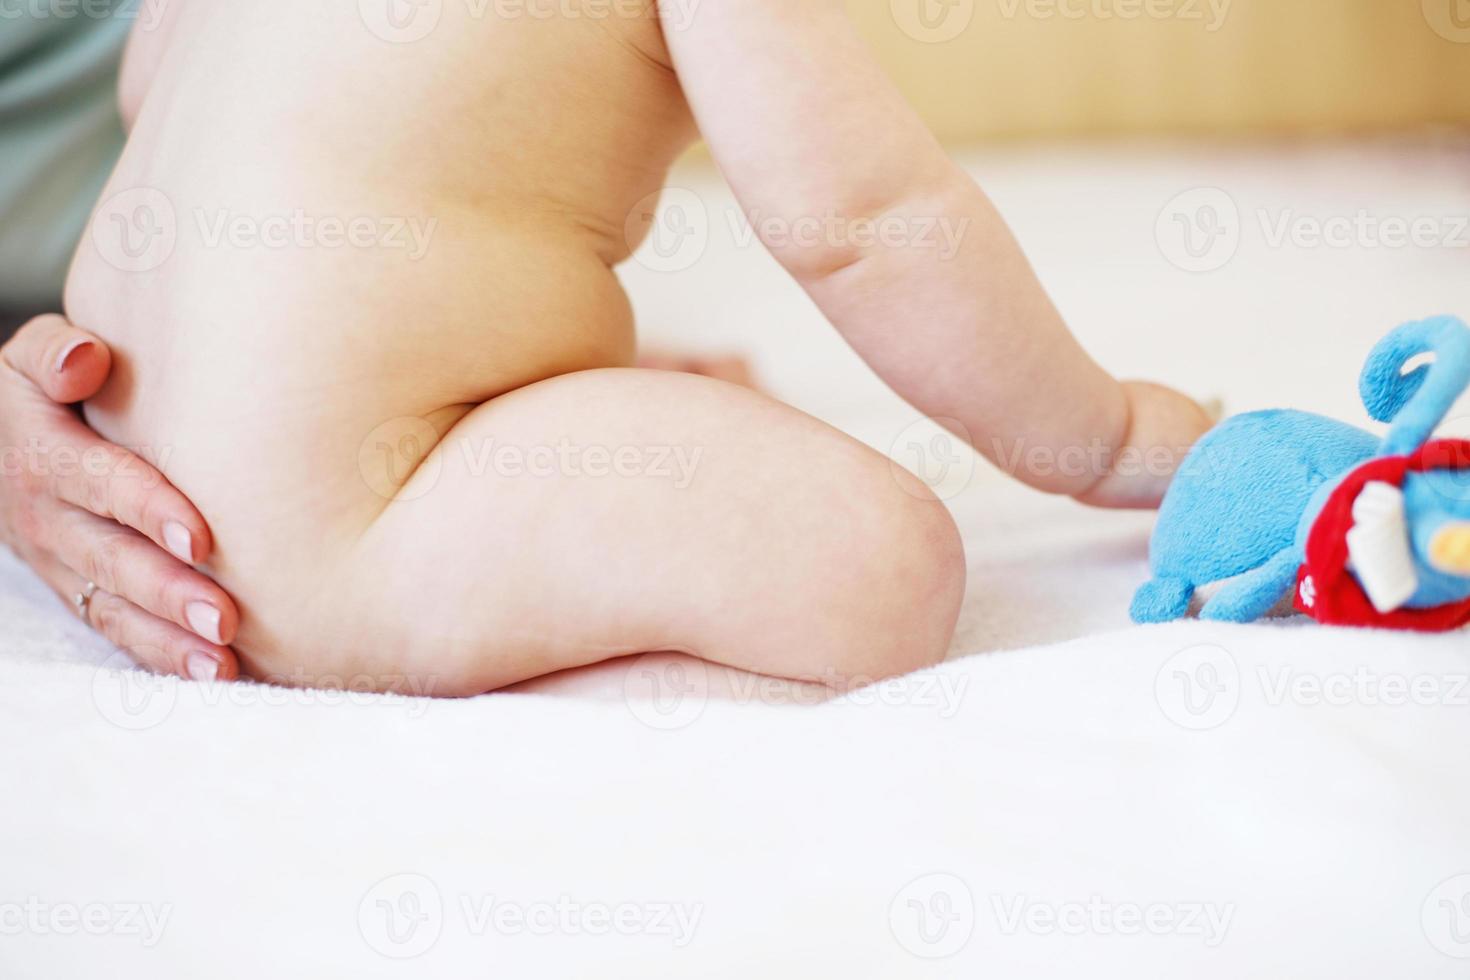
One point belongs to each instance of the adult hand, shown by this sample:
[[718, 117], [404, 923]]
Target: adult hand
[[80, 510]]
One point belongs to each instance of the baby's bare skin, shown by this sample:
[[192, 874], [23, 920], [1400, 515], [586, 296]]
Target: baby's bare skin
[[263, 378], [803, 122], [332, 411]]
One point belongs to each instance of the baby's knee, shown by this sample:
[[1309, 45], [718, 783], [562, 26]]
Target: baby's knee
[[904, 580], [926, 582]]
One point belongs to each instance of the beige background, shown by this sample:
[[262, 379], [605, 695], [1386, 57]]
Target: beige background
[[1025, 68]]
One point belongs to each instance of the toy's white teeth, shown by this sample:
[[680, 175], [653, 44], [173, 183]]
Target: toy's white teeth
[[1378, 547], [1379, 501]]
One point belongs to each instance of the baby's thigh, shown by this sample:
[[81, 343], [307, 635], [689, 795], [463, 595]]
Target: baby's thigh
[[615, 512]]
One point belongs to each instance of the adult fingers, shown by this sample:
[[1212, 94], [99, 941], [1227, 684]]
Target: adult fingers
[[158, 645], [114, 483], [123, 562], [154, 643], [64, 361]]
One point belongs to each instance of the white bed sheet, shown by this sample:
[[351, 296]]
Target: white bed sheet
[[1099, 799]]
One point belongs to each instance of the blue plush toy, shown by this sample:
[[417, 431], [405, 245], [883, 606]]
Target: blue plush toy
[[1369, 531]]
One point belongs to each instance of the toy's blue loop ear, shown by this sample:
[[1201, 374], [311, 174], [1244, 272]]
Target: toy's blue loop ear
[[1417, 401]]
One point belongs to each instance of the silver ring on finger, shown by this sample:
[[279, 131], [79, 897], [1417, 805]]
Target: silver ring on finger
[[83, 599]]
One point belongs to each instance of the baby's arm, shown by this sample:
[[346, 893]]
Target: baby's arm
[[818, 145]]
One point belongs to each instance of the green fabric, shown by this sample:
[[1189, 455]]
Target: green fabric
[[59, 134]]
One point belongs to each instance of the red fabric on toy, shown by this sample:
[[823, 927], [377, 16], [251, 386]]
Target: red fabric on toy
[[1327, 591]]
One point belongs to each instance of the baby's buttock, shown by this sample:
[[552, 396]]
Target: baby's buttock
[[318, 253], [292, 396]]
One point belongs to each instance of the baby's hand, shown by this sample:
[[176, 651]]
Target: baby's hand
[[1163, 426]]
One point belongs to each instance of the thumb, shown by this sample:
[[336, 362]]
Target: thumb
[[66, 362]]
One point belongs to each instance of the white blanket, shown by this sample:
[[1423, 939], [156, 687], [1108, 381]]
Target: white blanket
[[1100, 800]]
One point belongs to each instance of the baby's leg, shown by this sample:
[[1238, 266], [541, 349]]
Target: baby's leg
[[614, 512]]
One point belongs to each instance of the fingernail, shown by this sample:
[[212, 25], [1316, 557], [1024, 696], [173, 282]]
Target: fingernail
[[179, 541], [204, 620], [201, 667], [71, 349]]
